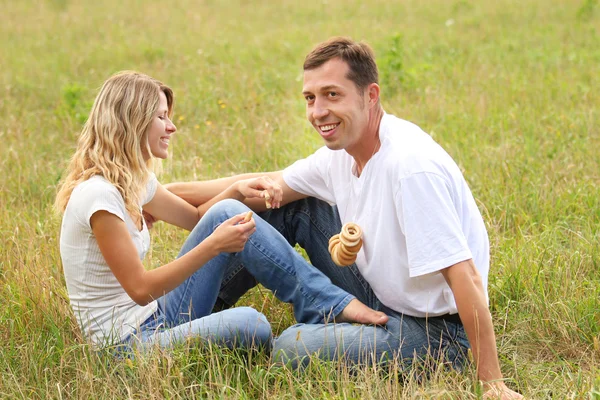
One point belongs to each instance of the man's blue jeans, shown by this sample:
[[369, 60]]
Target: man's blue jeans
[[187, 310], [310, 223]]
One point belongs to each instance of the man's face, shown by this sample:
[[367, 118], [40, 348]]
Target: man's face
[[334, 106]]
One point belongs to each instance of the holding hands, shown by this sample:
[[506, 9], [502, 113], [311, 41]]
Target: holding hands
[[259, 188], [262, 187]]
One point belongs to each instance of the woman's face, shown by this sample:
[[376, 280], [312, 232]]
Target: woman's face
[[160, 130]]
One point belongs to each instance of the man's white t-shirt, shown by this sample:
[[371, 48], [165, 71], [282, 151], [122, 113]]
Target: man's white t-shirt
[[415, 208], [105, 312]]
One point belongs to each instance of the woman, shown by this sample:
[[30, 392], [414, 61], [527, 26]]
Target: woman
[[104, 237]]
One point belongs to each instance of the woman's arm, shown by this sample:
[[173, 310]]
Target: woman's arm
[[202, 194], [199, 192], [144, 286], [174, 210], [177, 210], [256, 192]]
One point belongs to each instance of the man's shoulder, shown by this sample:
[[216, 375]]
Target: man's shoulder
[[404, 137], [391, 124], [410, 150]]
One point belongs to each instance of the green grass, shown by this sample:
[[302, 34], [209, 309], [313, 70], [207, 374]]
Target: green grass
[[509, 88]]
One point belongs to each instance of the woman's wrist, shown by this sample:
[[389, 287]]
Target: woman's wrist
[[210, 247], [235, 191]]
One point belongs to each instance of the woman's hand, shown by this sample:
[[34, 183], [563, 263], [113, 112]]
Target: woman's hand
[[262, 187], [231, 236]]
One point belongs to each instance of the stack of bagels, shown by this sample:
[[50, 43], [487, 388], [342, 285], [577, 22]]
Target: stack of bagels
[[344, 246]]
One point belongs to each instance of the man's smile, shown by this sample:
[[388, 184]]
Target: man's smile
[[328, 129]]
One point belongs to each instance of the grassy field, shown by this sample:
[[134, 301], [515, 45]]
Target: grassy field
[[509, 88]]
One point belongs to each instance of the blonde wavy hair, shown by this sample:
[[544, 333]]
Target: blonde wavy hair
[[114, 139]]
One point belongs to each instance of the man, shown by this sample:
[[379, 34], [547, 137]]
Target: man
[[425, 255]]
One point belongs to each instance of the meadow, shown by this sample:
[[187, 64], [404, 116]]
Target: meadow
[[509, 88]]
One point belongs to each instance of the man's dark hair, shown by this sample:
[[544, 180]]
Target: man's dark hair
[[358, 55]]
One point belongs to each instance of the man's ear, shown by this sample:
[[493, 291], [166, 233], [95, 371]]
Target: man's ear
[[373, 93]]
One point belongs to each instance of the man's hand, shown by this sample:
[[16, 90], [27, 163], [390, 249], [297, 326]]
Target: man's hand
[[261, 187], [499, 390]]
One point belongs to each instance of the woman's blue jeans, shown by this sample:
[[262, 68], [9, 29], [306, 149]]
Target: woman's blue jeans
[[268, 257], [310, 223]]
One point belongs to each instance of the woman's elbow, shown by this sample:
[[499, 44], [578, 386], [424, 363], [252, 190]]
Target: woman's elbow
[[140, 297]]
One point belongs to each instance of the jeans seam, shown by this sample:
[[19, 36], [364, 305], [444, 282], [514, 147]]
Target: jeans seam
[[177, 317], [229, 278]]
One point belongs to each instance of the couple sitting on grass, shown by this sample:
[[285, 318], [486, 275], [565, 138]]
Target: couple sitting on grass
[[417, 288]]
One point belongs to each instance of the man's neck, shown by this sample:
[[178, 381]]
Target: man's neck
[[369, 143]]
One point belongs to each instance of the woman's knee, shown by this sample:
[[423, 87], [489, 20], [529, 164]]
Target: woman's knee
[[215, 216], [252, 325], [226, 209]]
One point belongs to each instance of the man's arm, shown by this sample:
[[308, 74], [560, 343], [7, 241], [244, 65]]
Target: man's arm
[[467, 287]]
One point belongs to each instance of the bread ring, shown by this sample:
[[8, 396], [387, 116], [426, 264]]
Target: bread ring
[[344, 258], [351, 231], [351, 261], [349, 243], [354, 249], [334, 237], [345, 246], [334, 241], [336, 260], [340, 260], [344, 251]]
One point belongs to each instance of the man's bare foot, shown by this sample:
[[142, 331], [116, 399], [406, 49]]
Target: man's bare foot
[[356, 311]]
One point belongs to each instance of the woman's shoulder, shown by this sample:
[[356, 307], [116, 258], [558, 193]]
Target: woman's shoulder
[[94, 194], [95, 187]]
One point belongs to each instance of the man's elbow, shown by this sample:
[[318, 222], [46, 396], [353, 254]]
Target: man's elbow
[[463, 272]]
